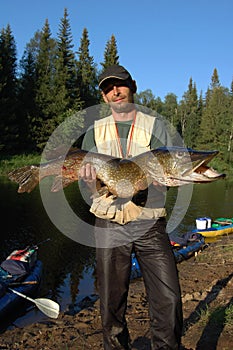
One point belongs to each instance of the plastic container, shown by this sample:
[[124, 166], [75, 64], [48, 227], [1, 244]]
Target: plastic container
[[201, 223], [208, 222]]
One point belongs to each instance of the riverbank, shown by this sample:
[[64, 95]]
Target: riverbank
[[8, 163], [207, 289]]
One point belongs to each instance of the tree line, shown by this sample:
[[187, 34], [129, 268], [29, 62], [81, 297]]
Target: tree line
[[52, 81]]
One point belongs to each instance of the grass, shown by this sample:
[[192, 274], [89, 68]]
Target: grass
[[204, 316], [217, 316], [9, 163], [219, 254], [229, 318]]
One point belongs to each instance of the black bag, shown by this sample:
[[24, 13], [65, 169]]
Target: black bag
[[18, 264], [16, 268]]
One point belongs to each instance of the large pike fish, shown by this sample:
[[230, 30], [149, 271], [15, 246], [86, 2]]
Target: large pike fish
[[174, 166]]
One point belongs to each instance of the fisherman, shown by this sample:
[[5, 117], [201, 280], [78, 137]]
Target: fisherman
[[140, 229]]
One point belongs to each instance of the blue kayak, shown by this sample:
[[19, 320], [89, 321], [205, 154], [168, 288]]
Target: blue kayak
[[184, 253], [181, 253], [9, 301]]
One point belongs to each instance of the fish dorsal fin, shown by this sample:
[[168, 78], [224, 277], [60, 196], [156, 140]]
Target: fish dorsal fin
[[60, 183]]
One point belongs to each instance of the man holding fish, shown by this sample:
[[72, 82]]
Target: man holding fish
[[127, 170], [126, 133]]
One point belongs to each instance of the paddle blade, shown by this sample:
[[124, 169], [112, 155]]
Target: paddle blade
[[48, 307]]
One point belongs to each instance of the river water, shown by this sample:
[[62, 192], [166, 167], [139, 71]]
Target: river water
[[68, 266]]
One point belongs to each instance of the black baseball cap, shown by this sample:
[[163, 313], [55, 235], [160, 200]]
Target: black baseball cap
[[114, 72]]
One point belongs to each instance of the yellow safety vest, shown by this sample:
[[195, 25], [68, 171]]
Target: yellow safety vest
[[106, 138], [107, 142]]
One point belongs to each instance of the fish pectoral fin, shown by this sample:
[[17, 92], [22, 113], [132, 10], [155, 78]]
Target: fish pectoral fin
[[60, 183]]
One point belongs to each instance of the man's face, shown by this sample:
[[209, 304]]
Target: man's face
[[118, 93]]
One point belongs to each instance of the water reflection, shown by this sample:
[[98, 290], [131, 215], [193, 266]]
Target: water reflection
[[212, 200], [25, 222], [69, 266]]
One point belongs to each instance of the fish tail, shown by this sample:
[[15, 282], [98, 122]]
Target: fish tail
[[27, 177]]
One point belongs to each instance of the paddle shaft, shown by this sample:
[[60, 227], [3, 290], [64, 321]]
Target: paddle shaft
[[22, 283]]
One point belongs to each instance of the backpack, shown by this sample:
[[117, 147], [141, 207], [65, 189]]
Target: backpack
[[18, 264]]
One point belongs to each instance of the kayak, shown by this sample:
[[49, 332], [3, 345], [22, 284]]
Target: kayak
[[183, 247], [216, 231], [185, 252], [20, 272], [219, 227], [10, 301]]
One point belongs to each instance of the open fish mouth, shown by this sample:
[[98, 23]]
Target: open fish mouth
[[189, 165], [199, 160], [177, 166]]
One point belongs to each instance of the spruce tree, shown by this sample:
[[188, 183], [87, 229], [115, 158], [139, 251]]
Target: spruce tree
[[65, 74], [189, 117], [170, 112], [111, 53], [229, 157], [27, 95], [87, 76], [170, 109], [9, 123], [215, 80], [45, 92], [110, 57], [216, 119]]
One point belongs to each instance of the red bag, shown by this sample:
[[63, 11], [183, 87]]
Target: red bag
[[28, 255]]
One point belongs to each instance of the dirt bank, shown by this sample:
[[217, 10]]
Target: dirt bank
[[207, 292]]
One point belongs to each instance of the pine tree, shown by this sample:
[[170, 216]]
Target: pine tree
[[200, 105], [27, 95], [111, 53], [170, 109], [45, 93], [65, 74], [66, 123], [230, 138], [87, 76], [215, 80], [9, 123], [170, 112], [216, 119], [189, 117]]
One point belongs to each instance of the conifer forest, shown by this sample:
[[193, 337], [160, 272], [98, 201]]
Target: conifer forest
[[55, 79]]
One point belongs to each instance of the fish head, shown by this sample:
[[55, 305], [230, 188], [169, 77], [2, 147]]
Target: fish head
[[179, 166]]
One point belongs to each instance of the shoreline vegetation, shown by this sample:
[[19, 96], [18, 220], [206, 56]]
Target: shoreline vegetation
[[10, 162]]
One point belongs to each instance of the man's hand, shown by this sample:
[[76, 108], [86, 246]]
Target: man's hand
[[88, 174]]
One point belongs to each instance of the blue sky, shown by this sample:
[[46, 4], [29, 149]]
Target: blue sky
[[163, 43]]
